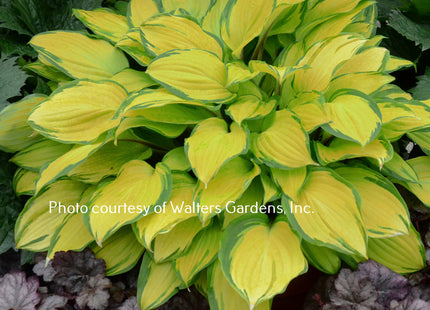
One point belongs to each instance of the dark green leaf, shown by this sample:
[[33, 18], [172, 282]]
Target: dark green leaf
[[422, 90], [11, 80], [419, 33], [386, 6]]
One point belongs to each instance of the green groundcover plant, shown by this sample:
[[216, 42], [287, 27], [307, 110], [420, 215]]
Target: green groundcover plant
[[229, 142]]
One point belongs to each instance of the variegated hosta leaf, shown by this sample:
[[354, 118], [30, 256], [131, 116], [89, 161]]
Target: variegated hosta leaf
[[399, 169], [40, 153], [323, 258], [421, 165], [202, 251], [312, 115], [212, 144], [151, 225], [333, 217], [121, 251], [339, 149], [228, 185], [422, 138], [15, 134], [238, 72], [211, 21], [24, 182], [91, 58], [368, 60], [259, 259], [78, 113], [133, 80], [284, 144], [192, 74], [403, 254], [63, 164], [171, 245], [42, 214], [271, 191], [243, 21], [164, 33], [222, 296], [134, 193], [197, 9], [323, 58], [132, 45], [279, 73], [156, 283], [140, 10], [165, 129], [249, 107], [108, 160], [384, 211], [285, 18], [48, 71], [353, 117], [177, 160], [104, 22], [290, 181]]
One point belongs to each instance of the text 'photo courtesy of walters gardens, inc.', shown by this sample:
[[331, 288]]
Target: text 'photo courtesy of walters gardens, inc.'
[[170, 207]]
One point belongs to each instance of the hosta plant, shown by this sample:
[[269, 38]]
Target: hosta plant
[[229, 142]]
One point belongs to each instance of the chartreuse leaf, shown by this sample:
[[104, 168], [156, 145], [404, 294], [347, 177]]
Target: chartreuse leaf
[[177, 160], [196, 9], [312, 115], [339, 149], [15, 134], [285, 18], [403, 254], [323, 258], [284, 144], [171, 245], [65, 163], [368, 60], [421, 165], [212, 144], [333, 218], [228, 185], [104, 22], [132, 45], [24, 182], [250, 107], [201, 283], [72, 234], [156, 283], [40, 218], [121, 251], [151, 225], [140, 10], [78, 113], [133, 80], [323, 58], [134, 193], [164, 33], [279, 73], [422, 138], [39, 153], [290, 181], [271, 191], [222, 296], [192, 74], [399, 169], [238, 72], [165, 129], [202, 251], [353, 117], [384, 211], [244, 20], [93, 59], [47, 71], [260, 277], [108, 160]]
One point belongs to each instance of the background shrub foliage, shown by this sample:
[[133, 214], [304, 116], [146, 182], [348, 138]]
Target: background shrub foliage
[[204, 102]]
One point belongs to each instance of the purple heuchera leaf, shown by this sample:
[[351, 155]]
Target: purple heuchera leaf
[[95, 294], [17, 292], [409, 304], [53, 302], [74, 269], [130, 304], [352, 292], [45, 270]]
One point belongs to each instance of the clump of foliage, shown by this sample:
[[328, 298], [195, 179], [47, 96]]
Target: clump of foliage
[[205, 105]]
